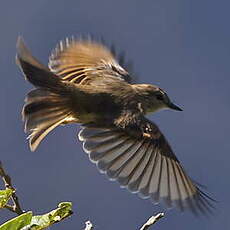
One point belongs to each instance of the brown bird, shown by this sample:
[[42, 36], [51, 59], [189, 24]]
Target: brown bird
[[85, 84]]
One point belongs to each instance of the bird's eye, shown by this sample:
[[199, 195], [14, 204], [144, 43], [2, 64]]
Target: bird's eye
[[159, 97]]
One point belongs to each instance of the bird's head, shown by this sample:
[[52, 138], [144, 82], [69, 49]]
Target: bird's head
[[154, 98]]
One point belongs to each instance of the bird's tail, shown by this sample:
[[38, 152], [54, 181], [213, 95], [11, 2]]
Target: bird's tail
[[43, 112], [49, 104]]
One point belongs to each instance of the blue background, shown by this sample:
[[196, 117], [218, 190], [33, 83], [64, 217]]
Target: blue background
[[182, 45]]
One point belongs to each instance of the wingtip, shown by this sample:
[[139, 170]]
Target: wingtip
[[22, 50], [20, 42], [24, 54]]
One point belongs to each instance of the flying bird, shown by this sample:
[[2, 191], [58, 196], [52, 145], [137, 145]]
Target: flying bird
[[85, 83]]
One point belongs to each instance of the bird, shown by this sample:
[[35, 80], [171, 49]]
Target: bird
[[85, 83]]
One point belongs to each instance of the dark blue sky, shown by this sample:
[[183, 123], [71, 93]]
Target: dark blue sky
[[182, 45]]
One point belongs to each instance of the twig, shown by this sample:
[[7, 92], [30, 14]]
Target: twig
[[152, 220], [8, 185], [17, 209], [88, 225]]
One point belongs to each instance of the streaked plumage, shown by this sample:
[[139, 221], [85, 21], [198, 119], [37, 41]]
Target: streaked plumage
[[86, 84]]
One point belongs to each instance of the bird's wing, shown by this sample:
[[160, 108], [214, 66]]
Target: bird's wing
[[86, 62], [144, 163]]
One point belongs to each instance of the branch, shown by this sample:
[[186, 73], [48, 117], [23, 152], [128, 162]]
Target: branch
[[152, 220], [17, 209], [88, 225], [8, 185]]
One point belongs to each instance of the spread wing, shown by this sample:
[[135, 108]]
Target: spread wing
[[144, 163], [86, 62]]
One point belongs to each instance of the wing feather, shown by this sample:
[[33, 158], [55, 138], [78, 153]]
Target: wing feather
[[140, 172], [145, 165], [86, 62]]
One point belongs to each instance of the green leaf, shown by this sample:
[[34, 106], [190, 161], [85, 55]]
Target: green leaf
[[28, 222], [5, 196], [44, 221], [18, 222]]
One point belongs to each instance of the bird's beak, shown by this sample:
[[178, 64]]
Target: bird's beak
[[173, 106]]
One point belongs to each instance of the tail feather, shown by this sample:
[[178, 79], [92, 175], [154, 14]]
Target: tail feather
[[39, 94], [42, 113], [45, 116], [37, 106], [38, 134], [49, 104]]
